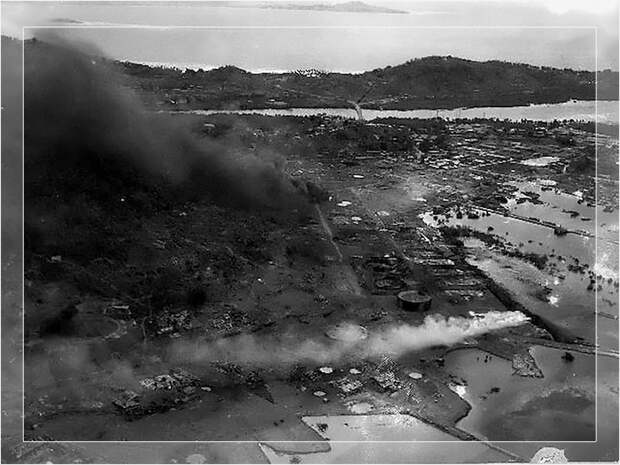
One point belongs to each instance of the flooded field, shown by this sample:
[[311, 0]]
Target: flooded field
[[530, 237], [563, 291], [568, 210], [564, 302]]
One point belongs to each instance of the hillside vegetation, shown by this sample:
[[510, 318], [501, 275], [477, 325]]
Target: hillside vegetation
[[431, 82]]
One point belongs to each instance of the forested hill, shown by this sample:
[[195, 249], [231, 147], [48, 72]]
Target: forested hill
[[430, 82]]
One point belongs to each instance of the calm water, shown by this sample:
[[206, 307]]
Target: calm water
[[291, 39], [577, 110], [566, 303], [559, 407], [362, 428], [526, 409]]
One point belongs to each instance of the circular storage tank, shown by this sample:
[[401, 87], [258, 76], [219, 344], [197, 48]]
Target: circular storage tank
[[414, 301]]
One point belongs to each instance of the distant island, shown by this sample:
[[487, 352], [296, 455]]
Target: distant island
[[432, 82], [345, 7], [350, 7], [66, 21]]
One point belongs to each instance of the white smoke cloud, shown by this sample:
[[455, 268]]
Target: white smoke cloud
[[394, 340]]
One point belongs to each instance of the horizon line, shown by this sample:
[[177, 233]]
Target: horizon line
[[208, 67]]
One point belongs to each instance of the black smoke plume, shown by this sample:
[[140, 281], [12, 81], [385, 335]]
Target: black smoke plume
[[87, 134]]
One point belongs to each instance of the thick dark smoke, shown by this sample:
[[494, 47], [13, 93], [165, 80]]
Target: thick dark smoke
[[84, 131]]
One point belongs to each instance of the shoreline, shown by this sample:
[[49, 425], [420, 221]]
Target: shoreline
[[498, 113]]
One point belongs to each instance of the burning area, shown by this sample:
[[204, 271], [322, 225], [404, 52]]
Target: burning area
[[130, 220], [93, 154]]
